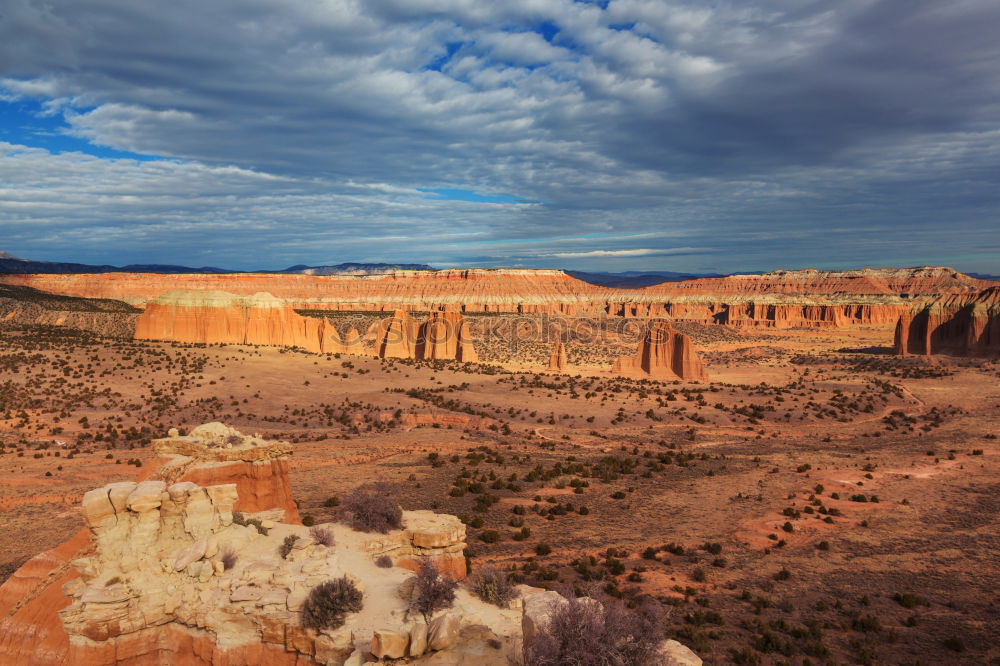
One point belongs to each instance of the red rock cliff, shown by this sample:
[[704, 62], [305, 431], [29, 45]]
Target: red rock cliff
[[961, 324], [663, 353], [211, 317]]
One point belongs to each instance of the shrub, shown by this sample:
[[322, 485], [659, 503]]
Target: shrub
[[373, 510], [240, 519], [286, 546], [543, 549], [228, 559], [433, 591], [585, 632], [331, 502], [908, 600], [322, 535], [308, 520], [328, 603], [383, 562], [490, 536], [955, 644], [492, 586]]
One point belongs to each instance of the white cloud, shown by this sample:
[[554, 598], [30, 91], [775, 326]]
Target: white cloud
[[718, 123], [646, 252]]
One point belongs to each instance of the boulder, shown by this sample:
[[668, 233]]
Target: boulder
[[672, 653], [443, 631], [389, 644]]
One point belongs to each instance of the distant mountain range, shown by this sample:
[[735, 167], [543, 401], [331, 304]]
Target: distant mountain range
[[637, 279], [624, 280], [12, 264]]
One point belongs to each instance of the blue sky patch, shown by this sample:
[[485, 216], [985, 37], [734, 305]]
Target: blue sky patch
[[23, 122]]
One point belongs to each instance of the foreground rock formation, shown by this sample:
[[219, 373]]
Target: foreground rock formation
[[963, 325], [168, 571], [663, 353], [213, 317], [30, 629]]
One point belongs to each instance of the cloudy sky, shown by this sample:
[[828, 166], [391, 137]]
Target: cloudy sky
[[687, 135]]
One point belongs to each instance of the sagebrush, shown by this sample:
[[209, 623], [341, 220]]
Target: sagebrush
[[329, 603]]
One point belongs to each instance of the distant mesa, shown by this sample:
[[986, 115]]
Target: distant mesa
[[443, 336], [779, 299], [663, 353], [217, 317], [958, 324]]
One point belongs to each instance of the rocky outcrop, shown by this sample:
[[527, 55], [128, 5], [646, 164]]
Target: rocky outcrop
[[213, 454], [442, 336], [396, 336], [962, 325], [663, 353], [445, 335], [168, 572], [437, 537], [214, 317], [557, 360]]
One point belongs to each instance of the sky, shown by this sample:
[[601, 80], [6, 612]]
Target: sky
[[681, 135]]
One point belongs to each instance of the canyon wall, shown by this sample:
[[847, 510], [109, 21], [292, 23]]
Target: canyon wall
[[442, 336], [958, 324], [663, 353], [213, 317], [779, 299], [509, 291]]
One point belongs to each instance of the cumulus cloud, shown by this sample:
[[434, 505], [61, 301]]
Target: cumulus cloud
[[859, 132]]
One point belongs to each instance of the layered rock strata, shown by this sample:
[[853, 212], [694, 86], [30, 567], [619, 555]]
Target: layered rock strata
[[214, 317], [663, 353], [780, 299], [963, 325]]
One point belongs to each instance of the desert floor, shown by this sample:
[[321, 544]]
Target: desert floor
[[818, 500]]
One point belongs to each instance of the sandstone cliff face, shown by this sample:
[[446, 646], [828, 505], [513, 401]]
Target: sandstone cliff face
[[557, 361], [211, 317], [442, 336], [963, 325], [663, 353], [214, 454], [445, 335]]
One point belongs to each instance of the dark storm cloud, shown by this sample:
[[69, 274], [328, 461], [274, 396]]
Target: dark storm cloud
[[653, 134]]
